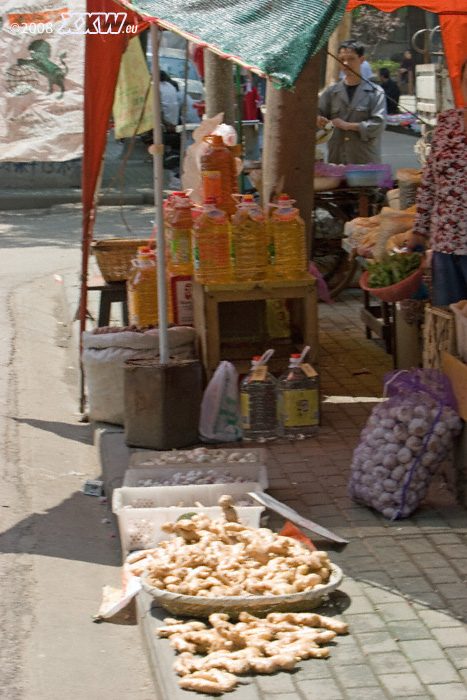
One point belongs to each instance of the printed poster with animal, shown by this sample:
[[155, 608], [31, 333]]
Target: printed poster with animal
[[41, 81]]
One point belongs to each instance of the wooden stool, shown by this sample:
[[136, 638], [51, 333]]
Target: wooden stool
[[245, 300], [111, 292]]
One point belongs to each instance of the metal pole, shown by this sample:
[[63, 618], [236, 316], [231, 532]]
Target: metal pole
[[184, 106], [158, 169], [238, 89]]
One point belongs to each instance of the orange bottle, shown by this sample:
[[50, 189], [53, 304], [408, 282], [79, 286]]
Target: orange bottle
[[220, 158]]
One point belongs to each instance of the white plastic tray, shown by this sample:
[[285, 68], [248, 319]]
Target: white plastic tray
[[252, 472], [210, 457], [141, 512]]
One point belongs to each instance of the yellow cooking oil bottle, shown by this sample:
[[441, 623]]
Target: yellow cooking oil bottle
[[142, 289], [181, 223], [287, 256], [249, 240], [298, 399], [210, 239]]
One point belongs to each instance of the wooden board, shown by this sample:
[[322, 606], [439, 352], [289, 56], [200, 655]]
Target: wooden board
[[456, 370]]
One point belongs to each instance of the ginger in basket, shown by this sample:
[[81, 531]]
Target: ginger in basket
[[212, 558]]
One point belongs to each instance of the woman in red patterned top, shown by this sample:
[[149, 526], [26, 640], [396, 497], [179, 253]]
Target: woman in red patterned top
[[442, 204]]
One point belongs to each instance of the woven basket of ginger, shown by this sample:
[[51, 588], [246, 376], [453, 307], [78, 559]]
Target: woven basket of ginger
[[224, 566]]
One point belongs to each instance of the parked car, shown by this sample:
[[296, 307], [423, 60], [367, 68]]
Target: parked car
[[172, 61]]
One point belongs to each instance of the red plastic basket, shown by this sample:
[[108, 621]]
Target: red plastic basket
[[396, 292]]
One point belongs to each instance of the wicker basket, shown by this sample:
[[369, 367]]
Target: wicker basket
[[114, 256], [198, 606]]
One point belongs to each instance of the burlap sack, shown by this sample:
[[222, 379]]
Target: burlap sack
[[104, 355]]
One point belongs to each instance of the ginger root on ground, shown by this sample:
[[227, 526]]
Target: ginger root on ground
[[213, 681], [253, 644]]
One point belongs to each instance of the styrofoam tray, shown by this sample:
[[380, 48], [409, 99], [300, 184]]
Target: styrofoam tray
[[250, 472], [141, 512], [198, 456]]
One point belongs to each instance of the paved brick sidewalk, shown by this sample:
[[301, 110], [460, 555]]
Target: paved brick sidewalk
[[404, 593]]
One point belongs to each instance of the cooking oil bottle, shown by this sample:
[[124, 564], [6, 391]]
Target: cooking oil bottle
[[219, 158], [168, 211], [298, 399], [142, 289], [249, 242], [181, 222], [258, 401], [288, 241], [211, 245]]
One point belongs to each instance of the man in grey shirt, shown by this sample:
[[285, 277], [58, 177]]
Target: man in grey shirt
[[357, 109]]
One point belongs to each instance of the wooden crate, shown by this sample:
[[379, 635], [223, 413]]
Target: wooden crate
[[439, 335]]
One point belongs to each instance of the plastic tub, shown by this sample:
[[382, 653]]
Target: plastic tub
[[364, 178]]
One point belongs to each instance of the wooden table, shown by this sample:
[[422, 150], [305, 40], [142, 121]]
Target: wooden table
[[222, 309]]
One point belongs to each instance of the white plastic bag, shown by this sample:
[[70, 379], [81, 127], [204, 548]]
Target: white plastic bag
[[220, 407]]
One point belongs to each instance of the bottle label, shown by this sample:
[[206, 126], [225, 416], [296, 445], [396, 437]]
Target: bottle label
[[196, 260], [212, 184], [259, 373], [245, 409], [271, 253], [180, 247], [308, 370], [300, 408]]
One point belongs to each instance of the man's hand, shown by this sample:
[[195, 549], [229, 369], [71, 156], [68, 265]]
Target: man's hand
[[321, 122], [341, 124]]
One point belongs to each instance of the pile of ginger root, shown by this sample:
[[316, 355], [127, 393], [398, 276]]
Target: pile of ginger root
[[215, 558], [253, 644]]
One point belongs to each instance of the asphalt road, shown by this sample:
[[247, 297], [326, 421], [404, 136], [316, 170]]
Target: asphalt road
[[57, 545]]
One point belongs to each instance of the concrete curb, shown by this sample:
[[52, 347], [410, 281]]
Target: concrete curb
[[43, 199]]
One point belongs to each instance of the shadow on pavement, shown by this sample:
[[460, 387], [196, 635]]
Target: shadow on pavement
[[81, 432]]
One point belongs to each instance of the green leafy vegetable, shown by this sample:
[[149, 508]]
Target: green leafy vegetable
[[392, 269]]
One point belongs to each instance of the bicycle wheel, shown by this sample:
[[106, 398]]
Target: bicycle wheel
[[334, 263]]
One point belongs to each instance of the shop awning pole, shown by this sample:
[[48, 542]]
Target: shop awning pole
[[158, 169]]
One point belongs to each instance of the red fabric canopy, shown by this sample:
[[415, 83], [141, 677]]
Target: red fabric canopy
[[453, 22], [102, 62]]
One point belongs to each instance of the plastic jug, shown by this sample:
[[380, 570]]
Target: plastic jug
[[249, 243], [142, 289], [258, 401], [288, 259], [298, 399], [181, 222], [211, 245], [219, 158]]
